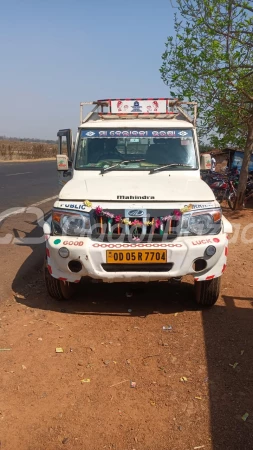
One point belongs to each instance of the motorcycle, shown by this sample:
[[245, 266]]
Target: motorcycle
[[224, 190], [223, 186], [248, 195]]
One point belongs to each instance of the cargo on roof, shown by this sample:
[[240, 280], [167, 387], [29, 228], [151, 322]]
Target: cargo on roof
[[152, 108]]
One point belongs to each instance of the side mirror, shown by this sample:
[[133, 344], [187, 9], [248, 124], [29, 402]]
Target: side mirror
[[205, 162], [62, 162], [67, 133]]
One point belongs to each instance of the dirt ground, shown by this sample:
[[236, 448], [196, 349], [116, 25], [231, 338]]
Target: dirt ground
[[193, 383]]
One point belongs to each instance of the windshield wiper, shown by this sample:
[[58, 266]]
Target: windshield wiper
[[107, 169], [158, 169]]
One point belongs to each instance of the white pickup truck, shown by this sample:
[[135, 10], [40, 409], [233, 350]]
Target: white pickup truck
[[133, 207]]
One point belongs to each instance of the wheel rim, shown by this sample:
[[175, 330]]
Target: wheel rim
[[232, 199]]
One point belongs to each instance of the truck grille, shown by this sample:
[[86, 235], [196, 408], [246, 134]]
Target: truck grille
[[151, 228]]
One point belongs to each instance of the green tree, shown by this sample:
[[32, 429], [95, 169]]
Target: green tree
[[205, 148], [210, 60]]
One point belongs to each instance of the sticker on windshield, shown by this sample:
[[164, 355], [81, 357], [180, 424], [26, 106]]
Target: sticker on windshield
[[187, 134]]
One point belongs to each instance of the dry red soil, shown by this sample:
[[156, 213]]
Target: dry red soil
[[193, 383]]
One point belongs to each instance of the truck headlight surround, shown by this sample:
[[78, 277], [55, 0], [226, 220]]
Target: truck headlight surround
[[70, 223], [202, 222]]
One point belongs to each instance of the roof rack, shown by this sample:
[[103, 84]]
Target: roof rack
[[141, 108]]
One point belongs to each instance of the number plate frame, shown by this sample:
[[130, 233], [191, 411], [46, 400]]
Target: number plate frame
[[152, 256]]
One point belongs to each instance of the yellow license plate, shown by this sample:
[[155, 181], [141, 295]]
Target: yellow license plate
[[136, 256]]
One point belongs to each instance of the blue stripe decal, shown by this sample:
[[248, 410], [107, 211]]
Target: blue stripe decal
[[136, 133]]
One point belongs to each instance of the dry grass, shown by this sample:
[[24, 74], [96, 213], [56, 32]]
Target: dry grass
[[19, 150]]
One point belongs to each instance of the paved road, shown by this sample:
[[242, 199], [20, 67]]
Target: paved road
[[25, 183]]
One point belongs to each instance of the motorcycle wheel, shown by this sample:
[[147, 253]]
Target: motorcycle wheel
[[218, 195], [231, 200]]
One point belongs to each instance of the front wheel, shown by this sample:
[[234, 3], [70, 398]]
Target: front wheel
[[58, 289], [207, 291]]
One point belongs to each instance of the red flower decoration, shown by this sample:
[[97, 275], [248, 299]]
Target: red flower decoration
[[136, 222], [99, 211], [117, 219], [177, 214], [158, 223], [166, 218]]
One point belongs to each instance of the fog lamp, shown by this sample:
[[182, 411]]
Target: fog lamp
[[210, 250], [63, 252]]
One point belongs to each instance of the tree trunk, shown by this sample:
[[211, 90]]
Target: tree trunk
[[245, 167]]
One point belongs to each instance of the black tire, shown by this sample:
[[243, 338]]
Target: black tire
[[207, 292], [58, 289]]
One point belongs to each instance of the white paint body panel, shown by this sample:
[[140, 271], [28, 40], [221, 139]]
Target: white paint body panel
[[164, 186], [92, 254]]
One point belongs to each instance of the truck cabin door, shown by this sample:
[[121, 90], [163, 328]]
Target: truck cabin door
[[64, 156]]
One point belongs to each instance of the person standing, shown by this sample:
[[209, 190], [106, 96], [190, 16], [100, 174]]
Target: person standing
[[213, 163]]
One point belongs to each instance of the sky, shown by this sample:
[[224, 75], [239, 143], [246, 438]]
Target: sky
[[56, 53]]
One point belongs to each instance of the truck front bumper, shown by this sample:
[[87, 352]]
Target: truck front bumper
[[90, 255]]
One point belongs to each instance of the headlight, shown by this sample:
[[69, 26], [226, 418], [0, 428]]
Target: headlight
[[70, 223], [202, 222]]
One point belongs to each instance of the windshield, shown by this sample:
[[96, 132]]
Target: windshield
[[142, 150]]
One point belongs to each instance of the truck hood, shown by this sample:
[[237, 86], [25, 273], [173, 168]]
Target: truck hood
[[150, 188]]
